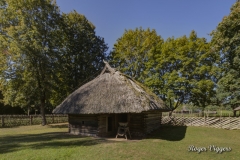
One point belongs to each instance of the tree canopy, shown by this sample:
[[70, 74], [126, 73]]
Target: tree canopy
[[81, 55], [44, 54], [133, 50], [225, 39], [185, 71], [178, 70]]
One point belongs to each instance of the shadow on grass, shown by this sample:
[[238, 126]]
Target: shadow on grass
[[170, 133], [12, 143]]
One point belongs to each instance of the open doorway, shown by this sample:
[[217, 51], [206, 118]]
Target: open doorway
[[123, 118]]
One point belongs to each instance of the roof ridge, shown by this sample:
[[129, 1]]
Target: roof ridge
[[107, 68]]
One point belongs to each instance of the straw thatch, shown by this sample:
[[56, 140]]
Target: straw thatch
[[111, 92], [237, 109]]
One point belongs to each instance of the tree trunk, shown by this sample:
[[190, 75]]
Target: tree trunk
[[44, 122], [28, 111]]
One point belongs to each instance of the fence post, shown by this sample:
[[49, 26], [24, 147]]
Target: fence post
[[2, 119], [52, 118], [229, 122], [30, 119], [204, 120], [221, 121]]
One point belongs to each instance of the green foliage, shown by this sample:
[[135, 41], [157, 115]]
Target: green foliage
[[211, 108], [45, 54], [188, 107], [30, 34], [6, 109], [178, 70], [226, 43], [187, 70], [81, 56], [133, 50]]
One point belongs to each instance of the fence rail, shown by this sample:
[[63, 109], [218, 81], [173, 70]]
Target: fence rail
[[24, 120], [215, 122], [202, 114]]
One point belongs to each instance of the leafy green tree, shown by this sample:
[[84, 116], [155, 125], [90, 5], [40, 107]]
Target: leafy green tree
[[225, 40], [29, 36], [45, 54], [183, 71], [81, 56], [178, 70], [133, 50], [6, 109]]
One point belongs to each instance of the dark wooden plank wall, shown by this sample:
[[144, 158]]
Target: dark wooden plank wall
[[152, 121], [139, 124], [136, 124], [83, 124], [103, 125]]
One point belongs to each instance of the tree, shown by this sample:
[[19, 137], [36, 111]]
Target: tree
[[178, 70], [6, 109], [183, 71], [133, 50], [45, 54], [81, 56], [28, 41], [225, 40]]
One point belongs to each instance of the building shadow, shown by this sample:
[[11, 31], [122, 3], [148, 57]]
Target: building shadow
[[13, 143], [169, 133]]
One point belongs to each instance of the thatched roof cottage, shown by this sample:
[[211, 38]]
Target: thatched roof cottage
[[97, 107]]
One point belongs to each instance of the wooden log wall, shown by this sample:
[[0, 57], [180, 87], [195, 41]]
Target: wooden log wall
[[136, 124], [103, 125], [139, 124], [152, 121], [83, 124]]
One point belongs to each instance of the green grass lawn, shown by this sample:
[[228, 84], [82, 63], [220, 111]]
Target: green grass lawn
[[53, 142]]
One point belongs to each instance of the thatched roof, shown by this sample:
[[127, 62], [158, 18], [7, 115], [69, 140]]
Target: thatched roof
[[111, 92], [237, 109]]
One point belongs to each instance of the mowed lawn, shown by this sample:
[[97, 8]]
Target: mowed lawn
[[53, 142]]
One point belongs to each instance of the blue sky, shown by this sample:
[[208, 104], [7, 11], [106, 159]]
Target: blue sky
[[170, 18]]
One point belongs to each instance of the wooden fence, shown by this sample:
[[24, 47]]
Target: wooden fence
[[202, 114], [215, 122], [24, 120]]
